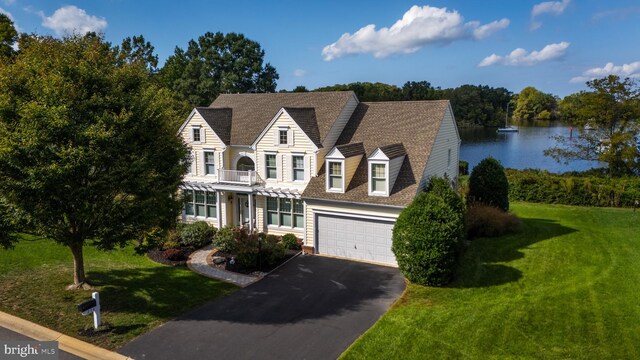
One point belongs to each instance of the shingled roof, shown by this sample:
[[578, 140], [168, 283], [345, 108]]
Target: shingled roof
[[306, 119], [415, 124], [393, 151], [219, 120], [349, 150], [251, 113]]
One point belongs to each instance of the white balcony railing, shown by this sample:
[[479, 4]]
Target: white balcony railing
[[237, 177]]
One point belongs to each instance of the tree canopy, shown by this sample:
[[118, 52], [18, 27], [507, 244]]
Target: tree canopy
[[609, 118], [88, 149], [218, 63], [8, 36], [533, 104], [138, 50]]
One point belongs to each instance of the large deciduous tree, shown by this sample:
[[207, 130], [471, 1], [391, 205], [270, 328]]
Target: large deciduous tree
[[215, 64], [533, 104], [87, 147], [138, 50], [8, 36], [609, 118]]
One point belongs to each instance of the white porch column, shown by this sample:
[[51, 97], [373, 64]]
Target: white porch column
[[250, 195], [219, 209]]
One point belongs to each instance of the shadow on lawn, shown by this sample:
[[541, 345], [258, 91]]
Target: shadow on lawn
[[477, 266], [163, 292]]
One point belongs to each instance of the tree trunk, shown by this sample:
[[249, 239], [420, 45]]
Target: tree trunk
[[79, 279]]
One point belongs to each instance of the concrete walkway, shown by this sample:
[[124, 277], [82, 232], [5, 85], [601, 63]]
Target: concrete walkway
[[198, 263]]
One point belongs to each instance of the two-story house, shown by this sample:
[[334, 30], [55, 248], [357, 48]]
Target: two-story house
[[324, 166]]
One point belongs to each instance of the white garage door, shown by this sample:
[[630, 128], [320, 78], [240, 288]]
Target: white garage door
[[354, 238]]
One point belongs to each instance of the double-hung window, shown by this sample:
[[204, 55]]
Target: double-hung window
[[196, 134], [298, 167], [285, 212], [200, 203], [209, 163], [378, 178], [271, 167], [283, 137], [335, 175]]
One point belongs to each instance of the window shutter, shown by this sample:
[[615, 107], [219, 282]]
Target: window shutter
[[279, 161], [276, 137], [307, 168], [203, 166], [190, 130], [192, 170], [290, 137], [203, 133]]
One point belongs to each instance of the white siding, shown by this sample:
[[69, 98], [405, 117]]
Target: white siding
[[394, 170], [302, 145], [211, 142], [447, 138]]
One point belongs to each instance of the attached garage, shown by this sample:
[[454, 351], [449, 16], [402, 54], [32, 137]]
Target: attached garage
[[359, 238]]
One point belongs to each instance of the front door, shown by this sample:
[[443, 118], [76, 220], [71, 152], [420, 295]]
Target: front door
[[243, 209]]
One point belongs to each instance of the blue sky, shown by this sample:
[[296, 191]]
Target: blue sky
[[555, 46]]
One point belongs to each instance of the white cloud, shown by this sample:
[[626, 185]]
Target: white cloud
[[548, 7], [418, 27], [70, 19], [299, 72], [631, 70], [520, 56]]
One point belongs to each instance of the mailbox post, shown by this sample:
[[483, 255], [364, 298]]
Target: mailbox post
[[92, 306]]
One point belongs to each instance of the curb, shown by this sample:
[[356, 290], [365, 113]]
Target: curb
[[65, 342]]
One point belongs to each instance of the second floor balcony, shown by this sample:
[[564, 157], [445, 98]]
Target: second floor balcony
[[239, 177]]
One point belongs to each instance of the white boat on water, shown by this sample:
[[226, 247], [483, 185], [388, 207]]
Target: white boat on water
[[507, 128]]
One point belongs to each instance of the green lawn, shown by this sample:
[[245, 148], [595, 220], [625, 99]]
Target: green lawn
[[136, 294], [566, 287]]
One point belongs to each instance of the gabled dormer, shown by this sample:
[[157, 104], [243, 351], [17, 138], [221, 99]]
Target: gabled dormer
[[383, 168], [340, 164]]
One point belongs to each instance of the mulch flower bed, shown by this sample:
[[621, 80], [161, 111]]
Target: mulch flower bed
[[222, 261], [171, 257]]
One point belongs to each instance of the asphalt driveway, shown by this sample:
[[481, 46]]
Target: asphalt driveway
[[312, 308]]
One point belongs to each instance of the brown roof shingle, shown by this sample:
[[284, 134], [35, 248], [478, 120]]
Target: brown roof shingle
[[393, 151], [253, 112], [219, 120], [306, 119], [352, 149], [415, 124]]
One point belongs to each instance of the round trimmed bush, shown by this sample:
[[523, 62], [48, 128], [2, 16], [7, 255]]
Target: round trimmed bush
[[426, 238], [197, 234], [225, 240], [488, 185], [290, 241]]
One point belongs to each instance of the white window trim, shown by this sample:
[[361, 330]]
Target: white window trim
[[278, 212], [193, 127], [204, 162], [193, 203], [304, 168], [386, 174], [266, 173], [328, 180], [286, 131]]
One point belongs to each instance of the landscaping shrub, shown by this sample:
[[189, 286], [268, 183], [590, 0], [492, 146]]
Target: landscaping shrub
[[488, 185], [463, 168], [426, 237], [591, 188], [442, 187], [290, 241], [272, 238], [488, 221], [172, 240], [262, 235], [252, 252], [225, 240], [197, 234], [271, 253]]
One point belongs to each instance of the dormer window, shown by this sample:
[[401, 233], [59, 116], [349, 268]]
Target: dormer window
[[379, 178], [335, 175]]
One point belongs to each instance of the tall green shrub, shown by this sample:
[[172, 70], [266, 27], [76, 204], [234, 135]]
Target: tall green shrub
[[488, 185], [427, 235], [197, 234]]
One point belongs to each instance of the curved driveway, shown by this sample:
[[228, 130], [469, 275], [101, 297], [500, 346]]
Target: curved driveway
[[312, 308]]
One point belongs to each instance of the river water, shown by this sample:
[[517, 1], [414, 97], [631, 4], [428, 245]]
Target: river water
[[521, 150]]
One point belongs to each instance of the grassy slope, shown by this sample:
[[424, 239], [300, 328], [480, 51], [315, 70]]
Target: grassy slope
[[566, 286], [136, 293]]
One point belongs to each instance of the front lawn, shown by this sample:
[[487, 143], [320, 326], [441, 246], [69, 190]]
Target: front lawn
[[566, 287], [136, 294]]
